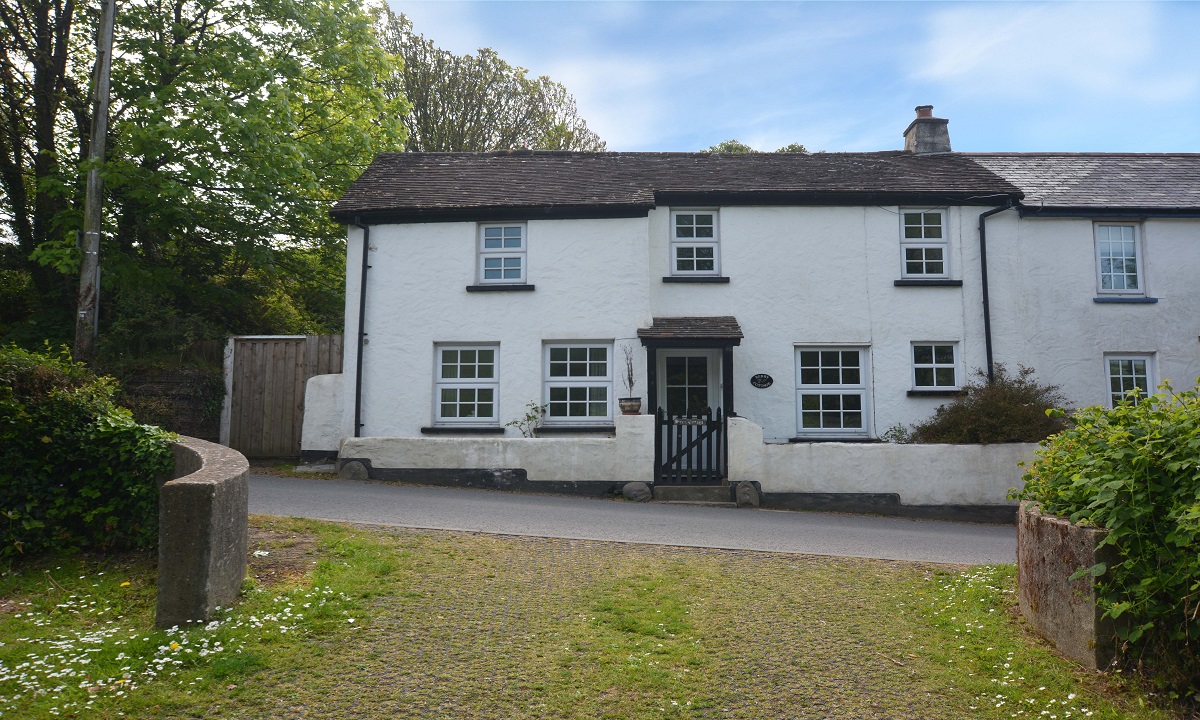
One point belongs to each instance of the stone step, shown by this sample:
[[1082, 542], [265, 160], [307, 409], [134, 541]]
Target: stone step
[[699, 493]]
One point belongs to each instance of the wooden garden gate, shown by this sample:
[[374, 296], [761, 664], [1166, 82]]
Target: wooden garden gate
[[690, 449], [265, 381]]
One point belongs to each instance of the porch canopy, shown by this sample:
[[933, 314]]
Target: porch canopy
[[720, 332]]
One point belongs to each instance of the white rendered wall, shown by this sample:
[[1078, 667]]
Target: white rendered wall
[[798, 275], [590, 279], [1043, 282], [826, 275], [626, 457]]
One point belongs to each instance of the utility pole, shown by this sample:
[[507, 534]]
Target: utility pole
[[87, 322]]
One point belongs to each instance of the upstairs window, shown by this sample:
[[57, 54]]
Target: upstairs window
[[467, 383], [923, 244], [578, 384], [695, 243], [1118, 260], [502, 254]]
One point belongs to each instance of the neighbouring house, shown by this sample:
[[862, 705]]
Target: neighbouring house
[[779, 312]]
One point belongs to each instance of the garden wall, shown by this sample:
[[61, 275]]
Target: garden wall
[[965, 481], [1049, 550], [202, 540]]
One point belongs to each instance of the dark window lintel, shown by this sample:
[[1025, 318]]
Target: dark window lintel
[[936, 393], [462, 430], [1139, 300], [501, 287], [711, 279], [943, 282]]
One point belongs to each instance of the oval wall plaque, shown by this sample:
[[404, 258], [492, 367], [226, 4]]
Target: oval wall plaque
[[762, 380]]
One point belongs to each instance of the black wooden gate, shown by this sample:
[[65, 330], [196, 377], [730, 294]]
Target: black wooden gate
[[690, 449]]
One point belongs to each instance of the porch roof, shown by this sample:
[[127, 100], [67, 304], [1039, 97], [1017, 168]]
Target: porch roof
[[720, 330]]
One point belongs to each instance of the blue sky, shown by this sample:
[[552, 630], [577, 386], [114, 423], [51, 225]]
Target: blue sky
[[845, 76]]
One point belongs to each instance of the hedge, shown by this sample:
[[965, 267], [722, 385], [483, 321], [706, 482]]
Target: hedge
[[76, 471], [1135, 470]]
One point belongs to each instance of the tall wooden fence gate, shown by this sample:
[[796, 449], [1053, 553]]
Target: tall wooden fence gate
[[265, 377]]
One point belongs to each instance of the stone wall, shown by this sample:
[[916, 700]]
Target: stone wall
[[202, 535], [1049, 550]]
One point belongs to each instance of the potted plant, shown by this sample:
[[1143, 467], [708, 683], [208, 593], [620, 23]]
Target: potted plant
[[629, 405]]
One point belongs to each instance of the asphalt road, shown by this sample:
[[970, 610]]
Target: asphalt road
[[620, 521]]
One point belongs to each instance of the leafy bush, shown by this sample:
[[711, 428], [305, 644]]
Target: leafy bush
[[1008, 409], [1135, 470], [75, 470]]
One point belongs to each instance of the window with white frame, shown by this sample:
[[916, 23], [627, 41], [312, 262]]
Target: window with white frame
[[935, 366], [467, 384], [831, 390], [502, 253], [695, 243], [1126, 373], [578, 383], [923, 244], [1118, 259]]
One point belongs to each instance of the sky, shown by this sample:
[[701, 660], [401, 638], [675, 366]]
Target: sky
[[846, 76]]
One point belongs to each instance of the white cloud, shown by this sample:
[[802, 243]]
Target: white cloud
[[1022, 51]]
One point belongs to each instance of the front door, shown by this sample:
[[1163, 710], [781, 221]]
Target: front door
[[690, 439], [691, 381]]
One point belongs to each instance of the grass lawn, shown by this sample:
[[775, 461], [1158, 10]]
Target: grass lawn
[[352, 622]]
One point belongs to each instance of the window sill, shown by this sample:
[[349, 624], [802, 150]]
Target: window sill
[[576, 429], [712, 279], [810, 439], [936, 393], [928, 283], [462, 430], [1121, 299], [501, 287]]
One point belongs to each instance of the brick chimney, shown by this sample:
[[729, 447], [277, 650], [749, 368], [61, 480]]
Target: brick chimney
[[927, 135]]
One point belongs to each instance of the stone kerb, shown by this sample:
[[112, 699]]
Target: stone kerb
[[1049, 550], [202, 535]]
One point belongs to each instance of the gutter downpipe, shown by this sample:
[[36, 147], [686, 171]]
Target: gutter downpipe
[[983, 271], [362, 334]]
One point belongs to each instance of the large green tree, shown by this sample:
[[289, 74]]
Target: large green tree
[[478, 102], [234, 125]]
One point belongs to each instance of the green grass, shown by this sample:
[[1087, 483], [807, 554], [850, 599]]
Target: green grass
[[428, 624]]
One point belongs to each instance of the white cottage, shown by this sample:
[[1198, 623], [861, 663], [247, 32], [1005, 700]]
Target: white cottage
[[776, 312]]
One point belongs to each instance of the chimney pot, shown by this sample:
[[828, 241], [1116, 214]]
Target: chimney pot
[[924, 111]]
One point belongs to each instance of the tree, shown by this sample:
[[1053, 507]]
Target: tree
[[234, 126], [731, 146], [478, 103], [737, 146]]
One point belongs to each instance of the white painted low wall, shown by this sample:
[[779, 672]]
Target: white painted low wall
[[919, 474], [322, 413], [627, 457]]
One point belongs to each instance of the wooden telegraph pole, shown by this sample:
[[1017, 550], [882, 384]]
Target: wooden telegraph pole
[[88, 320]]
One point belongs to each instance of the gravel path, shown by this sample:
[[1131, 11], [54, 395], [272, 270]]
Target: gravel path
[[644, 523]]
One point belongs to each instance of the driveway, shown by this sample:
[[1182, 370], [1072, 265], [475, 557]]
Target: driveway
[[579, 518]]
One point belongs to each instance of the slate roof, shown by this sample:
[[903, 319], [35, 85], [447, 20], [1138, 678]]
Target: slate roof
[[721, 327], [1100, 180], [412, 186]]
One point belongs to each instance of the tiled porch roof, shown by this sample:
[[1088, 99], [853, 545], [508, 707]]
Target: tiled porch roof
[[722, 327]]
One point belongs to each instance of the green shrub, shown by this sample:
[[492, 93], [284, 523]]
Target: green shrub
[[1009, 409], [1135, 470], [75, 470]]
